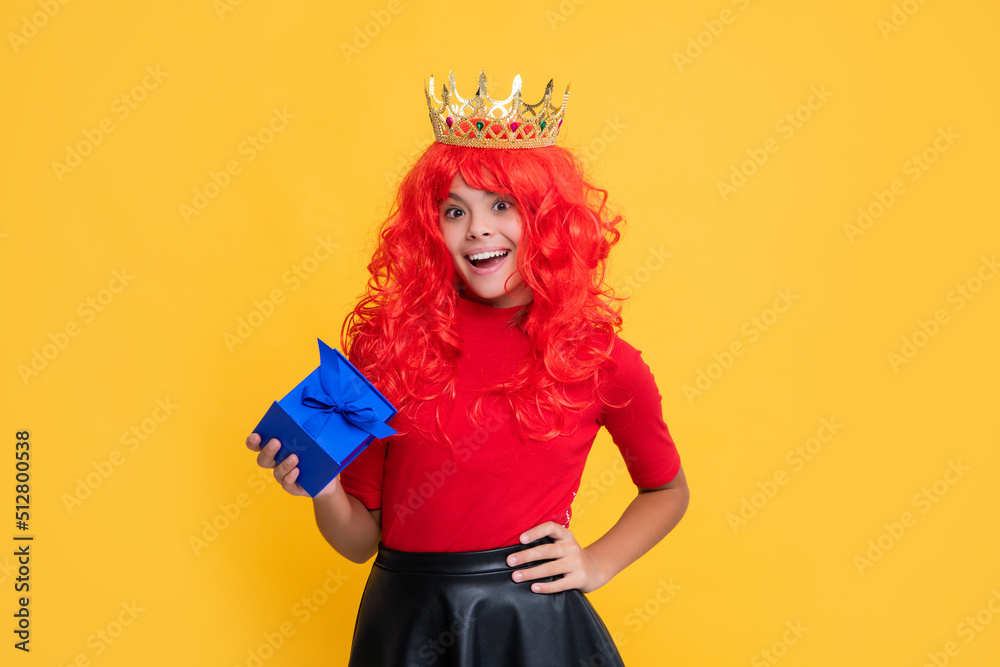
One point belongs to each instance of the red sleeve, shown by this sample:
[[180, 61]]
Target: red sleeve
[[362, 478], [638, 429]]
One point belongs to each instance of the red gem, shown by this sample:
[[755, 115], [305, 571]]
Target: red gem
[[449, 121], [513, 127]]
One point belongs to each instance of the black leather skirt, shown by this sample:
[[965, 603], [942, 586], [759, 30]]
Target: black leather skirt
[[464, 610]]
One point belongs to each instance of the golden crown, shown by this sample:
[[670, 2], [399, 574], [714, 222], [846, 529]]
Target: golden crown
[[484, 122]]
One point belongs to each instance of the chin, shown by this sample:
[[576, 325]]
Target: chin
[[473, 295], [492, 297]]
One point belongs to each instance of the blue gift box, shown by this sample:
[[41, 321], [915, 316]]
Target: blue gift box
[[327, 420]]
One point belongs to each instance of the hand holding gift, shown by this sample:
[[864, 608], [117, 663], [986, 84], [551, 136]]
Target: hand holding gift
[[325, 422], [286, 472]]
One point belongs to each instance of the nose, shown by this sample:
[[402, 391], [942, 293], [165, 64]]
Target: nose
[[479, 226]]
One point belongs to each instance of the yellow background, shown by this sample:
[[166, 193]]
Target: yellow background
[[660, 133]]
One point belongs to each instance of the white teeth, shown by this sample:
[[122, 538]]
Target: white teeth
[[487, 255]]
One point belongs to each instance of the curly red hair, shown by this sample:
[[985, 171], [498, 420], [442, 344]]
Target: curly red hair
[[402, 333]]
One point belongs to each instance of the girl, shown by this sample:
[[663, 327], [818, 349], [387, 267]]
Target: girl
[[488, 324]]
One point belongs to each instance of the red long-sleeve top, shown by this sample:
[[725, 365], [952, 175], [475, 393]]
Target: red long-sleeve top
[[491, 485]]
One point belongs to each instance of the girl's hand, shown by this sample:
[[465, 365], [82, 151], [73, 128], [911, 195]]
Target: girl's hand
[[579, 568], [287, 471]]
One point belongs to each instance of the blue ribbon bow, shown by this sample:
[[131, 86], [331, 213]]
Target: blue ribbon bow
[[339, 393]]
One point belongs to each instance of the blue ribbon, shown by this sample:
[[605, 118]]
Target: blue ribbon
[[339, 393]]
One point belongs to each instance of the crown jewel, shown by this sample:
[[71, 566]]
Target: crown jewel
[[484, 122]]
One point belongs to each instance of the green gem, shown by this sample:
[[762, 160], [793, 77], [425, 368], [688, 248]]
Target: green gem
[[479, 125], [542, 125]]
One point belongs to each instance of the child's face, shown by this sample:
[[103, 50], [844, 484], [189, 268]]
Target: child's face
[[474, 221]]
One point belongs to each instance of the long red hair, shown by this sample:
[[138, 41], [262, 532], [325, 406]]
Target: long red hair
[[402, 333]]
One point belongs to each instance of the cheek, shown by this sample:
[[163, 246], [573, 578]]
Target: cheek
[[450, 242], [514, 233]]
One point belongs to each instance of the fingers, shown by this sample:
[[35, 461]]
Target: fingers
[[541, 571], [555, 554], [564, 584], [550, 528], [286, 472], [541, 552], [253, 442], [558, 532], [569, 575], [565, 560], [265, 459], [285, 467]]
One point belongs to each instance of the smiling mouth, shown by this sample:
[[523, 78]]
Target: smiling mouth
[[486, 262]]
